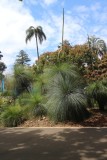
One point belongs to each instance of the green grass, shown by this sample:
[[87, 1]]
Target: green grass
[[12, 116]]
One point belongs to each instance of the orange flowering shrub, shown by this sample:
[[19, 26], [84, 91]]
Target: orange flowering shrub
[[87, 61]]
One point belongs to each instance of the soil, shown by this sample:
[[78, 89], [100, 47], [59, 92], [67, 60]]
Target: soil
[[97, 119]]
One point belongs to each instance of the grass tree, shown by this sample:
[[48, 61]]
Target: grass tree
[[66, 99], [98, 91], [23, 79], [37, 33]]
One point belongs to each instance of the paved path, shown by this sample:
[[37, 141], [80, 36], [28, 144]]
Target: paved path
[[53, 144]]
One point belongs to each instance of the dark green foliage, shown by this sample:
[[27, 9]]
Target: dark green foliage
[[33, 102], [23, 79], [3, 104], [12, 116], [66, 100], [98, 92], [63, 69], [22, 58], [6, 93], [39, 111], [0, 55], [2, 67]]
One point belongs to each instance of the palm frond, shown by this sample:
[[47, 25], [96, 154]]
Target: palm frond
[[29, 34], [41, 35]]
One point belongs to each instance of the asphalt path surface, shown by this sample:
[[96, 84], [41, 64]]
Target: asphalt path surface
[[53, 144]]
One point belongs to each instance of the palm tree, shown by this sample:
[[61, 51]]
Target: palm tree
[[97, 44], [38, 33]]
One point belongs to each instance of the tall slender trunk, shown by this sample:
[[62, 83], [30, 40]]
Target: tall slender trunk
[[63, 30], [37, 46], [61, 49]]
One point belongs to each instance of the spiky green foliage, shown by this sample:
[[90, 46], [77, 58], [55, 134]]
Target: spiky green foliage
[[64, 68], [23, 79], [12, 116], [33, 102], [98, 91], [66, 100]]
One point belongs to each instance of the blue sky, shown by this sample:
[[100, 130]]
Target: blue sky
[[82, 17]]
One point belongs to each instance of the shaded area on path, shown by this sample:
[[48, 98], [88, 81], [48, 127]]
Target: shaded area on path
[[53, 144]]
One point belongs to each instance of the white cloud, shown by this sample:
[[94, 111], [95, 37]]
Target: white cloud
[[14, 21], [34, 2], [73, 31], [16, 17], [48, 2], [81, 8]]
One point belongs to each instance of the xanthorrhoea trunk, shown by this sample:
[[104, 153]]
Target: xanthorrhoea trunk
[[61, 50], [37, 46], [63, 30]]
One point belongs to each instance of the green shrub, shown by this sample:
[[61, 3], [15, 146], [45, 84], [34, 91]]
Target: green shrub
[[24, 77], [3, 103], [12, 116], [88, 92], [39, 111], [66, 99], [98, 92], [32, 103], [6, 93]]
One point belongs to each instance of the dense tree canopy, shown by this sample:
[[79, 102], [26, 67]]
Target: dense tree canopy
[[2, 67], [84, 56], [0, 55], [22, 58]]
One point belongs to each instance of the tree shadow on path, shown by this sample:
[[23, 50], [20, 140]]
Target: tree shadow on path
[[53, 144]]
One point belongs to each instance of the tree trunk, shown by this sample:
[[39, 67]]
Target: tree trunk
[[63, 30], [37, 46]]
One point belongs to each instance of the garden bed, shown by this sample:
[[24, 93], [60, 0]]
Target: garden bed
[[97, 119]]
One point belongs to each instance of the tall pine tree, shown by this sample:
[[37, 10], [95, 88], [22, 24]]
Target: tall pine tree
[[22, 58]]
